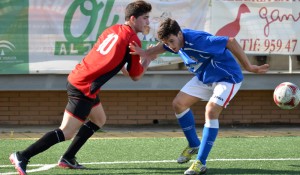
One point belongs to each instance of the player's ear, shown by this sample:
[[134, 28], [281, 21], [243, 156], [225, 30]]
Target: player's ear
[[132, 19], [179, 35]]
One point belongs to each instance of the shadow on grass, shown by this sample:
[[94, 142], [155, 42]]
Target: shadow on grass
[[125, 171], [295, 166], [177, 171], [249, 171]]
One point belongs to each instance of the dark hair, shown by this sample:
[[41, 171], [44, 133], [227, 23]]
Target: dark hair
[[136, 9], [168, 27]]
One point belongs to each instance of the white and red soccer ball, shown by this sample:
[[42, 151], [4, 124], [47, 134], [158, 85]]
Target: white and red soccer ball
[[286, 95]]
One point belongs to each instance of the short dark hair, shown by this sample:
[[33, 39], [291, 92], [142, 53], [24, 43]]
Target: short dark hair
[[136, 9], [168, 27]]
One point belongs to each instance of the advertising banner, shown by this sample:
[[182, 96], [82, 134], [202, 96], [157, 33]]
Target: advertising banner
[[45, 37], [61, 32], [14, 37], [260, 26]]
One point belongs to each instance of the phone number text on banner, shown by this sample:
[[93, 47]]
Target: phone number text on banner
[[261, 26]]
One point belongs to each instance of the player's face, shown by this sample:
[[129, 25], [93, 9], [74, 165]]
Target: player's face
[[174, 42], [141, 22]]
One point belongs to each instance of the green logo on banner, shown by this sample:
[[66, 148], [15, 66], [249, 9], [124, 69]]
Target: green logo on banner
[[14, 37], [76, 45]]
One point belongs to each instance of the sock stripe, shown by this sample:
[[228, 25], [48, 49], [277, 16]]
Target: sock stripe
[[57, 136], [187, 128], [60, 135], [91, 129], [92, 126], [178, 116]]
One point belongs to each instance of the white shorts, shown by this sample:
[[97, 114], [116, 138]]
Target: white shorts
[[220, 92]]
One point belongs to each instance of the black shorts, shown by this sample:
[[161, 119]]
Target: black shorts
[[79, 105]]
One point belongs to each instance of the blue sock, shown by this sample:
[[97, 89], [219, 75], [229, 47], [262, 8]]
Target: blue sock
[[187, 123], [209, 136]]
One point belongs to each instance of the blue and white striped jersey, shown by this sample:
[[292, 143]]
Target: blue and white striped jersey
[[206, 56]]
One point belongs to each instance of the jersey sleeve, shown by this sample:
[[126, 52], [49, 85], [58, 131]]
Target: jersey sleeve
[[206, 42], [134, 66]]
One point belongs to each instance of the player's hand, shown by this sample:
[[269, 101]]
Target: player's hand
[[124, 71], [136, 49], [259, 69], [151, 57]]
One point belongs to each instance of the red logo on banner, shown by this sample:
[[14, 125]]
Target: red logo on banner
[[232, 29]]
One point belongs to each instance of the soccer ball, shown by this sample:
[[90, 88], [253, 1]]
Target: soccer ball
[[286, 95]]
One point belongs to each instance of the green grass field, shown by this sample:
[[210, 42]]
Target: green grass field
[[156, 156]]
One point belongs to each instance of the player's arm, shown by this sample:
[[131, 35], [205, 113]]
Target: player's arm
[[149, 53], [124, 71], [145, 64], [146, 56], [239, 53], [138, 65]]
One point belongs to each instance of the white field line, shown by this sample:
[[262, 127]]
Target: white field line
[[44, 167]]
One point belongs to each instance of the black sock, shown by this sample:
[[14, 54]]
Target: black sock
[[49, 139], [84, 133]]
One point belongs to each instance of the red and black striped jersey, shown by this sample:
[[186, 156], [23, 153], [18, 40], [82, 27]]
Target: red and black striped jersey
[[106, 59]]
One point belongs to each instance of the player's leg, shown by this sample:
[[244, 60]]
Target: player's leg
[[21, 158], [223, 92], [97, 119], [191, 93], [209, 135], [185, 117], [210, 130]]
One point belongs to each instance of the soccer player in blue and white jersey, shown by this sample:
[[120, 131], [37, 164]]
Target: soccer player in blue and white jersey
[[217, 79]]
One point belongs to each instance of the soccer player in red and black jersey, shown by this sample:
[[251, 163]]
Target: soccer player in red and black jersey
[[109, 55]]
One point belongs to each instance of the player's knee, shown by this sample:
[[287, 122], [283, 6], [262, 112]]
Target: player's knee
[[212, 110], [211, 114], [68, 134], [99, 121], [69, 130], [177, 105]]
